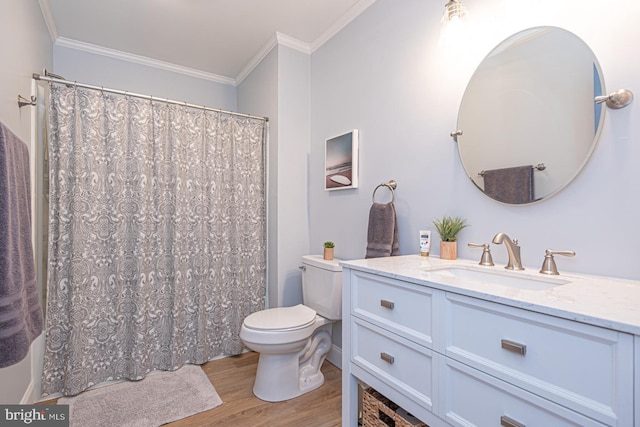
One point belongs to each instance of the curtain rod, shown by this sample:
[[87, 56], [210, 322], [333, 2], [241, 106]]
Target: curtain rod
[[137, 95]]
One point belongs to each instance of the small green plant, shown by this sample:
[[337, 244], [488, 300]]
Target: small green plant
[[448, 228], [329, 245]]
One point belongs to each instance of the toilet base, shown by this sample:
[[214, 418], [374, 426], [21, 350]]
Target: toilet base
[[286, 376], [289, 385]]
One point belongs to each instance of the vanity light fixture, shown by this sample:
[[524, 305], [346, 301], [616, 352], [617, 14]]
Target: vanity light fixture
[[453, 18], [453, 10], [616, 100]]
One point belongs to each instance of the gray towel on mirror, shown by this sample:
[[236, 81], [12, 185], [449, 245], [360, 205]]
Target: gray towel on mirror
[[510, 185], [20, 312], [382, 234]]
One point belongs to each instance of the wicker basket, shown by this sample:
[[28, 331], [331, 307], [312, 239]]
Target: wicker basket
[[378, 411]]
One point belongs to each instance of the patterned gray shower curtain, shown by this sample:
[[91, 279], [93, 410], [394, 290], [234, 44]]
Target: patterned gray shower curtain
[[156, 236]]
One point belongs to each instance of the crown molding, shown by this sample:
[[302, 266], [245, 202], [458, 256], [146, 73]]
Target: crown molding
[[292, 43], [344, 20], [278, 39], [308, 48], [142, 60], [45, 8], [275, 40], [257, 58]]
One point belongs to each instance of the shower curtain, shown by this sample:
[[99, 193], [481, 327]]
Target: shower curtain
[[156, 236]]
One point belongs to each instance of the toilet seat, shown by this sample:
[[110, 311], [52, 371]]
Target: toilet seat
[[281, 319], [283, 325]]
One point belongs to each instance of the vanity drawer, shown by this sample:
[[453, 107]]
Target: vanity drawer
[[397, 306], [400, 363], [585, 368], [472, 398]]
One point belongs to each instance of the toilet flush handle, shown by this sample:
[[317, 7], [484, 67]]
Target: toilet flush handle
[[303, 268]]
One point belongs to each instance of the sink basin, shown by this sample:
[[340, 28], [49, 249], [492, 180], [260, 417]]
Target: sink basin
[[478, 275]]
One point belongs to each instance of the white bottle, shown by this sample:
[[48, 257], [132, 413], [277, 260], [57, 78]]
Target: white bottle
[[425, 242]]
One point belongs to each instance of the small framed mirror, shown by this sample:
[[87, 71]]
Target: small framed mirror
[[528, 121]]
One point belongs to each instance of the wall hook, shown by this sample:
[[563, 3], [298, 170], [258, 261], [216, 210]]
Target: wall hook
[[22, 101], [616, 100]]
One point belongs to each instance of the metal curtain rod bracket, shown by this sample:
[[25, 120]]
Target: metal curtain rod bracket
[[22, 101], [49, 78], [391, 185], [55, 76]]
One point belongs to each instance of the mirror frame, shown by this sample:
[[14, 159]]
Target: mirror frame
[[533, 128]]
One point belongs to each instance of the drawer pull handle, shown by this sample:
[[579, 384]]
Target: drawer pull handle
[[387, 304], [508, 422], [387, 358], [514, 347]]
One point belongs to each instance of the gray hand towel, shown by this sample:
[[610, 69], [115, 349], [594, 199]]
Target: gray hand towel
[[20, 312], [382, 235], [510, 185]]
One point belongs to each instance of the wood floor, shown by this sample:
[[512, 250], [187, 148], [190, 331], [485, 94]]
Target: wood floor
[[233, 379]]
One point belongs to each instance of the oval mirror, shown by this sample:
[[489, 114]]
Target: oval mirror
[[528, 117]]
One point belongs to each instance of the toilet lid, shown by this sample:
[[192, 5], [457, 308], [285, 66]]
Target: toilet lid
[[294, 317]]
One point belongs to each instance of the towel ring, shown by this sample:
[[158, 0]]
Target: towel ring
[[391, 185]]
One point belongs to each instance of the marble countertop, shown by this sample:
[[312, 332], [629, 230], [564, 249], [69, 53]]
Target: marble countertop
[[596, 300]]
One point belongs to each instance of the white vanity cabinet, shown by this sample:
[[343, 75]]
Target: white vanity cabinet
[[452, 359], [391, 335]]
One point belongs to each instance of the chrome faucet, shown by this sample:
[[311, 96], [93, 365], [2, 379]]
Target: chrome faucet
[[515, 263]]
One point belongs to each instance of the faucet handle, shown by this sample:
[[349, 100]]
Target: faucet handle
[[486, 259], [549, 264]]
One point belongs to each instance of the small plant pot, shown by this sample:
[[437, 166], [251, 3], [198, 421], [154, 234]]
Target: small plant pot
[[328, 253], [449, 250]]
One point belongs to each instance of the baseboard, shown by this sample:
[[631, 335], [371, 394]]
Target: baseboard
[[335, 356]]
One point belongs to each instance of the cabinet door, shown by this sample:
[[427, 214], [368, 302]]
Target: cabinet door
[[472, 398], [585, 368]]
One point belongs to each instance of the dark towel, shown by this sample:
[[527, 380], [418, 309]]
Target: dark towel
[[382, 236], [510, 185], [20, 312]]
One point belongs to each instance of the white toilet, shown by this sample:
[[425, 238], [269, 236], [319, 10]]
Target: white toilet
[[294, 341]]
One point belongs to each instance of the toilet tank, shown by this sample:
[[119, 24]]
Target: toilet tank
[[322, 286]]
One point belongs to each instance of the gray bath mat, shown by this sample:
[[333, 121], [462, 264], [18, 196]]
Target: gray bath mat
[[158, 399]]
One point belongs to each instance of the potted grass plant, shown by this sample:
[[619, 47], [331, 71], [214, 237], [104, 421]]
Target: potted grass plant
[[448, 229], [328, 250]]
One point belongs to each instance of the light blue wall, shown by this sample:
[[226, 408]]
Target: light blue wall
[[293, 151], [26, 49], [384, 75], [279, 88], [258, 95], [100, 70]]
